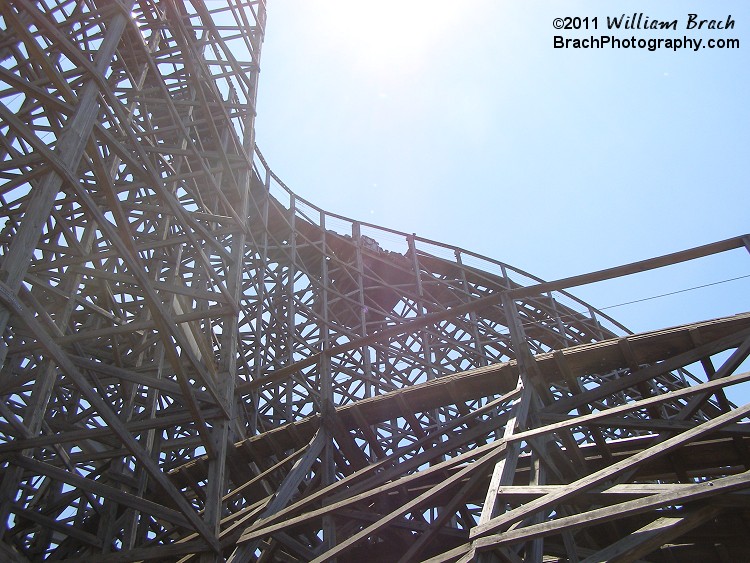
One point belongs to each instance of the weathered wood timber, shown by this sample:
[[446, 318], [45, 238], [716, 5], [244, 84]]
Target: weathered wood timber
[[197, 364]]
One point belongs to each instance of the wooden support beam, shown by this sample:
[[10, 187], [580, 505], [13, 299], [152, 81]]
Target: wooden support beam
[[667, 350], [691, 493], [650, 537], [97, 488], [589, 481], [479, 465], [157, 553], [13, 304], [164, 296], [632, 268], [288, 488], [135, 427]]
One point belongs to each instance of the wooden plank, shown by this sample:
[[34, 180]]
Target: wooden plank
[[389, 475], [262, 528], [701, 388], [692, 493], [451, 555], [589, 481], [288, 488], [239, 489], [369, 435], [446, 511], [228, 536], [505, 469], [478, 465], [653, 426], [612, 494], [664, 365], [730, 365], [628, 269], [650, 537]]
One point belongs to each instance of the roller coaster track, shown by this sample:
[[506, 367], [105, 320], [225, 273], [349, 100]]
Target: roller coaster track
[[200, 365]]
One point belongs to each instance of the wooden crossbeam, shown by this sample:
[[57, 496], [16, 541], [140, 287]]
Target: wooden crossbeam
[[648, 538], [691, 493], [9, 300], [598, 477], [605, 356]]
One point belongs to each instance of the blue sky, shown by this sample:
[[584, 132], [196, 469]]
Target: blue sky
[[460, 122]]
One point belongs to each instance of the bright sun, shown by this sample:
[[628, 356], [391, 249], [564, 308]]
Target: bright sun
[[386, 33]]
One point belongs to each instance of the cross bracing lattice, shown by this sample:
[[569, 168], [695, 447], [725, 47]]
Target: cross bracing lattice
[[198, 364]]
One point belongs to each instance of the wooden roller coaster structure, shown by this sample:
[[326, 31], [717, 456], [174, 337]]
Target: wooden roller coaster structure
[[199, 365]]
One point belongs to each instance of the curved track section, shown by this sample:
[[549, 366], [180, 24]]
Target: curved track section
[[198, 364], [383, 309]]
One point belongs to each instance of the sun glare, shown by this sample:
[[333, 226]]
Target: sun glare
[[386, 34]]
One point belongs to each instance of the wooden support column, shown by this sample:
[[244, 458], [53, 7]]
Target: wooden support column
[[480, 350], [421, 309], [258, 358], [362, 313], [505, 469], [290, 305], [224, 433]]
